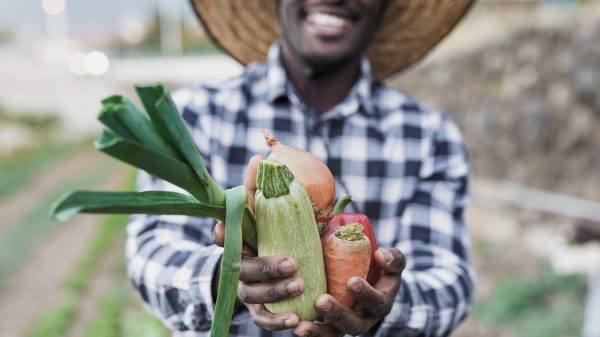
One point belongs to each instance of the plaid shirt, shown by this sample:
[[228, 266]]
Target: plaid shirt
[[404, 164]]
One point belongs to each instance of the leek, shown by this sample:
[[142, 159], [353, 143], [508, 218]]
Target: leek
[[160, 144]]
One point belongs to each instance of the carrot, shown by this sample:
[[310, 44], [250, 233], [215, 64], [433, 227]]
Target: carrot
[[347, 254]]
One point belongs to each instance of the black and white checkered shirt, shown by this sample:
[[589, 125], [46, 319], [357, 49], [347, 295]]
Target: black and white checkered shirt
[[404, 164]]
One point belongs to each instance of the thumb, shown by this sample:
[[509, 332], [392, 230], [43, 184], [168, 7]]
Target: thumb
[[250, 179], [390, 260]]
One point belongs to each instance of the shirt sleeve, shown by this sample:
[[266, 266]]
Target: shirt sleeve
[[171, 260], [438, 281]]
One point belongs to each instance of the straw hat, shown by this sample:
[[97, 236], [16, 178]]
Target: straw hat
[[246, 29]]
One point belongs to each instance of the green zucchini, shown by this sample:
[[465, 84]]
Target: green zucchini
[[286, 225]]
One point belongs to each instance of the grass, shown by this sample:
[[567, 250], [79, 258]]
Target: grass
[[20, 238], [19, 168], [113, 317], [56, 322], [136, 322], [112, 229], [19, 165], [61, 317], [107, 323], [39, 122], [547, 305]]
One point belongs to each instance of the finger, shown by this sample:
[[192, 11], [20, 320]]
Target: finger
[[248, 251], [311, 329], [267, 268], [392, 263], [269, 292], [341, 316], [219, 239], [374, 302], [250, 179], [269, 321], [219, 234], [390, 260]]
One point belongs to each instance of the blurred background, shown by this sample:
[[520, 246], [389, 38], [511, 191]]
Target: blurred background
[[521, 78]]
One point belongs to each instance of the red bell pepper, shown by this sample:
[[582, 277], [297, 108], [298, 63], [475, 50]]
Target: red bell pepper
[[341, 219]]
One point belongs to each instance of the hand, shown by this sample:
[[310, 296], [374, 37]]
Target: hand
[[250, 179], [372, 303], [265, 280], [250, 184], [269, 279]]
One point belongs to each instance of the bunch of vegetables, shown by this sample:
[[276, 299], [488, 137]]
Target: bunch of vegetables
[[290, 213]]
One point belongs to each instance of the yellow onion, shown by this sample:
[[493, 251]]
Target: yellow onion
[[311, 172]]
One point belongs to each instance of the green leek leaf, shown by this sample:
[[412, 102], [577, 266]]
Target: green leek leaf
[[230, 264], [125, 119], [151, 161], [112, 120], [164, 114], [149, 202]]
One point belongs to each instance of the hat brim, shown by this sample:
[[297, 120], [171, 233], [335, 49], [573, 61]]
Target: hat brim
[[410, 29]]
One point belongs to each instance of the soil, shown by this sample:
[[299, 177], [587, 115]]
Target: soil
[[15, 207], [100, 286], [37, 284]]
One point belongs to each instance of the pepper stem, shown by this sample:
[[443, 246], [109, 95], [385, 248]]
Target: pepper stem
[[341, 204], [273, 178]]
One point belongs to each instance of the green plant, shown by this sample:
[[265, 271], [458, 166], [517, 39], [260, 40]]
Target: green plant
[[56, 322], [545, 305]]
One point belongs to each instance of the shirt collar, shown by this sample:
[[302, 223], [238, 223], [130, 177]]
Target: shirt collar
[[276, 75], [359, 96]]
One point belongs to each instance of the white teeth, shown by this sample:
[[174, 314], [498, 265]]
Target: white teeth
[[324, 19]]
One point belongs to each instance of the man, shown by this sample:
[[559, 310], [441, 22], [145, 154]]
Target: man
[[404, 164]]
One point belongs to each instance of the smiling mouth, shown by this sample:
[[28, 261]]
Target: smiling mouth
[[327, 20]]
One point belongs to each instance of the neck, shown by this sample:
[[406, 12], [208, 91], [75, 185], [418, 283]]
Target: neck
[[320, 90]]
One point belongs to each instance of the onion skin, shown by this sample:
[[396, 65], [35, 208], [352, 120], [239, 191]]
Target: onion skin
[[312, 173]]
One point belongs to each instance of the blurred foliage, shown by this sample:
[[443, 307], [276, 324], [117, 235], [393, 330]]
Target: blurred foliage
[[19, 167], [80, 279], [137, 322], [56, 322], [22, 237], [107, 322], [5, 36], [45, 121], [113, 317], [545, 305]]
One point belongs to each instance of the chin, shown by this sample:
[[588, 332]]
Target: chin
[[326, 63]]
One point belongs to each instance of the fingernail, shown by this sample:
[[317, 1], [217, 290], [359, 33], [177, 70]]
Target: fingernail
[[248, 252], [293, 287], [388, 257], [356, 286], [325, 306], [290, 322], [286, 266], [216, 240]]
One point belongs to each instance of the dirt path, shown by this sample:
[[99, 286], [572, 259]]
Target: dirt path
[[17, 205], [37, 284], [100, 286]]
